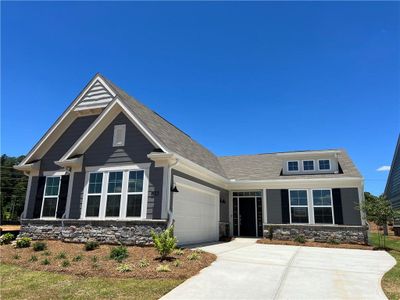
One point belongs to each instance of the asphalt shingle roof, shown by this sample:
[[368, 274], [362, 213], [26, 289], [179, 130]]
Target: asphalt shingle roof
[[243, 167]]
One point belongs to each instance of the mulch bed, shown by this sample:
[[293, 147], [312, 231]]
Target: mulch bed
[[104, 266], [315, 244]]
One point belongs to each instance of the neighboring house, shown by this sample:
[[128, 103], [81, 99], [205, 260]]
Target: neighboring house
[[112, 169], [392, 190]]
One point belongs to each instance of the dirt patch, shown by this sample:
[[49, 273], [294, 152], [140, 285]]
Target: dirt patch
[[315, 244], [98, 263]]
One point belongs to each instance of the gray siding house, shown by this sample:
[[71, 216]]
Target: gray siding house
[[111, 169], [392, 190]]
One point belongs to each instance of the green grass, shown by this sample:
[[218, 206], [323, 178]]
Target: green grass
[[391, 280], [19, 283]]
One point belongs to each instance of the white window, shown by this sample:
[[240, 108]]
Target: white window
[[119, 135], [324, 164], [322, 205], [116, 192], [50, 197], [293, 166], [308, 165], [298, 206]]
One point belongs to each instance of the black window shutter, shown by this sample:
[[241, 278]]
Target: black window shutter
[[285, 206], [62, 197], [39, 196], [337, 206]]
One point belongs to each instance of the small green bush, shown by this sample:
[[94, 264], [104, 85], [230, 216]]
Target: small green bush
[[39, 246], [178, 252], [79, 257], [333, 241], [16, 256], [164, 242], [124, 268], [143, 263], [6, 238], [119, 253], [300, 239], [163, 268], [270, 232], [33, 258], [177, 263], [61, 255], [199, 251], [91, 245], [65, 263], [193, 256], [23, 242], [46, 262]]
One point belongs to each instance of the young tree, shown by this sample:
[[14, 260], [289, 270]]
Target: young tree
[[379, 210]]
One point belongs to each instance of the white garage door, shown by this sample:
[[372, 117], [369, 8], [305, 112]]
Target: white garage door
[[196, 212]]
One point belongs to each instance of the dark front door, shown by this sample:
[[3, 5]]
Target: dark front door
[[247, 216]]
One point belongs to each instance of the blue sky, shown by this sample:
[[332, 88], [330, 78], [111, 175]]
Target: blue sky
[[238, 77]]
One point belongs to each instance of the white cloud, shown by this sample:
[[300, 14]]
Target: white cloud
[[383, 168]]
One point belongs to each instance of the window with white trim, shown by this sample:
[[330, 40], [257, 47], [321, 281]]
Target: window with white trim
[[113, 193], [298, 206], [293, 166], [324, 164], [323, 208], [50, 197], [119, 135], [94, 194], [308, 165]]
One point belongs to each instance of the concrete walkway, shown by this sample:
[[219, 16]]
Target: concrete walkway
[[246, 270]]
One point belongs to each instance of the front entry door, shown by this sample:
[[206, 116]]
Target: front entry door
[[247, 216]]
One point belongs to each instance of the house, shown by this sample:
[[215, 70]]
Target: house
[[392, 190], [111, 169]]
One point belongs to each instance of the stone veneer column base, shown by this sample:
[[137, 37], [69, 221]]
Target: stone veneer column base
[[136, 232], [318, 233]]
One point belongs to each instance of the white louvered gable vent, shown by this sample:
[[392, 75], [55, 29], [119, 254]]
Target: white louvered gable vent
[[97, 96], [119, 135]]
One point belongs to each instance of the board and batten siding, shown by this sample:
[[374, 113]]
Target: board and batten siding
[[135, 150], [345, 199], [224, 194]]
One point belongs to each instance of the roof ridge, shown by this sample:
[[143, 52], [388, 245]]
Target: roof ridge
[[284, 152]]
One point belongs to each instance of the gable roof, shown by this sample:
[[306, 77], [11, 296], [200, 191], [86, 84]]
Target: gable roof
[[269, 166]]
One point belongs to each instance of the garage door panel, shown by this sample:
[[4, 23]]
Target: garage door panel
[[196, 212]]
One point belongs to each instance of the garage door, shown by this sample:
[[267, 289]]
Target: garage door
[[196, 212]]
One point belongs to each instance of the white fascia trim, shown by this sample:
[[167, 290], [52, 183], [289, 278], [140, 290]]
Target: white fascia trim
[[92, 127], [65, 114]]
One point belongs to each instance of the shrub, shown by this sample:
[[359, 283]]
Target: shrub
[[91, 245], [177, 263], [119, 253], [193, 256], [33, 258], [164, 242], [65, 263], [78, 258], [61, 255], [333, 241], [124, 268], [16, 256], [46, 262], [300, 239], [178, 252], [46, 253], [143, 263], [23, 242], [6, 238], [163, 268], [39, 246], [270, 232], [199, 251]]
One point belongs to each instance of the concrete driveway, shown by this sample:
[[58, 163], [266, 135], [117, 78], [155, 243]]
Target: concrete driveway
[[246, 270]]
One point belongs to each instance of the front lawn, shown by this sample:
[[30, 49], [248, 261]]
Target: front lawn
[[22, 283], [391, 280]]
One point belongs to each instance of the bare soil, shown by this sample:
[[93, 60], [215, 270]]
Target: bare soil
[[315, 244], [102, 265]]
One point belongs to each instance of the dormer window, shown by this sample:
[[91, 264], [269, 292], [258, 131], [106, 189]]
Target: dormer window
[[293, 166], [324, 164], [119, 135], [308, 165]]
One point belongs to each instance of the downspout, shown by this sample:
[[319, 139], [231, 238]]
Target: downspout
[[170, 212]]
